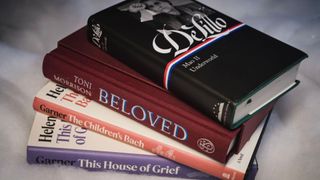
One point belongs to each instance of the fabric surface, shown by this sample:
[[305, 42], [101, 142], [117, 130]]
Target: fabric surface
[[28, 29]]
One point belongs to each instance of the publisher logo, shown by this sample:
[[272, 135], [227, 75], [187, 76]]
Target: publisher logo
[[226, 175], [206, 145]]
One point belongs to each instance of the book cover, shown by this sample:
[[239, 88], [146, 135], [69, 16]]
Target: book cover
[[222, 67], [53, 141], [85, 69], [56, 100]]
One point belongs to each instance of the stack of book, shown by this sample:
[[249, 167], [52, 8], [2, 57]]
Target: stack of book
[[166, 88]]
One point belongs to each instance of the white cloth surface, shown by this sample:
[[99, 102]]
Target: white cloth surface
[[28, 29]]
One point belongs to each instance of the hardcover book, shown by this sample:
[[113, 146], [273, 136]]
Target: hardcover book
[[53, 141], [85, 69], [58, 101], [222, 67]]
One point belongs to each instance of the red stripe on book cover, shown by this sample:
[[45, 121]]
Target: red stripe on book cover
[[170, 66], [205, 165]]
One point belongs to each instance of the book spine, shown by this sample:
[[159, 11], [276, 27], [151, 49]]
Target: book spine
[[184, 85], [52, 141], [48, 102], [184, 131], [118, 162]]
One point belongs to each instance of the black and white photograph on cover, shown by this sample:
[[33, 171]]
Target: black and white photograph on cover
[[289, 149], [172, 13]]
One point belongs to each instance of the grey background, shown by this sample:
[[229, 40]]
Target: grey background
[[30, 28]]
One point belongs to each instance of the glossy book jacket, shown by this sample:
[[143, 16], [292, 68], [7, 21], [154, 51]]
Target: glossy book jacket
[[222, 67]]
